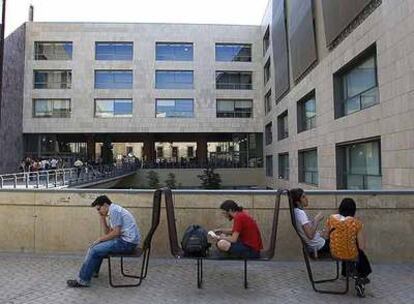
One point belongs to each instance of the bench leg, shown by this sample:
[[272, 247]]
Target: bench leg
[[199, 272], [245, 274], [111, 282]]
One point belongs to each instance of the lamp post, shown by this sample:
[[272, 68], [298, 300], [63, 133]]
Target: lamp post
[[3, 26]]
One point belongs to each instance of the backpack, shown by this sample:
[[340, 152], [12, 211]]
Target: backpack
[[195, 242]]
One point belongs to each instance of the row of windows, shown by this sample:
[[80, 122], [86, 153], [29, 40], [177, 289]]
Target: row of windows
[[123, 79], [358, 165], [174, 51], [356, 89], [122, 107]]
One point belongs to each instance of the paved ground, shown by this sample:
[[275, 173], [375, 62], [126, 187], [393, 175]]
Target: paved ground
[[41, 279]]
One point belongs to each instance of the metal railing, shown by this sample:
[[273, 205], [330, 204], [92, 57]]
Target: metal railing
[[64, 177]]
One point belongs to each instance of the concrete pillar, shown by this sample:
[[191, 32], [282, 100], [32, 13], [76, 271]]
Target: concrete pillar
[[90, 147], [202, 150], [149, 151]]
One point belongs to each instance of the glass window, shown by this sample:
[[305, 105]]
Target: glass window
[[174, 79], [266, 41], [268, 102], [269, 165], [284, 166], [282, 126], [360, 166], [116, 79], [267, 71], [113, 107], [356, 87], [52, 79], [307, 113], [58, 108], [227, 80], [237, 108], [178, 108], [233, 52], [53, 50], [308, 167], [268, 134], [114, 50], [174, 51]]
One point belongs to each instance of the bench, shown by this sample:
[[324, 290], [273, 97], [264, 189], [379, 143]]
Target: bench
[[265, 255], [143, 252], [308, 256]]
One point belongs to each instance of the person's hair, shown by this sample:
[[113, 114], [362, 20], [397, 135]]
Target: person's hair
[[347, 207], [295, 195], [101, 200], [230, 205]]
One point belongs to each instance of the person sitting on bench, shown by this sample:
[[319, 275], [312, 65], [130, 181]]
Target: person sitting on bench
[[121, 236], [308, 228], [244, 239]]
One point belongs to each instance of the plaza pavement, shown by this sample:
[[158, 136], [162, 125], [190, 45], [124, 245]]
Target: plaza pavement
[[42, 279]]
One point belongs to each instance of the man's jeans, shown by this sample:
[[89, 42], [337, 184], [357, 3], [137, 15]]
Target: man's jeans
[[95, 255]]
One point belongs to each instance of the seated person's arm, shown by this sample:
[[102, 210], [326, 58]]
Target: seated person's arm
[[105, 225], [112, 234], [226, 231], [311, 227], [361, 240], [232, 238]]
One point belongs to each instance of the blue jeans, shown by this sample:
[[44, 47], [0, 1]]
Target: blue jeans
[[240, 250], [96, 254]]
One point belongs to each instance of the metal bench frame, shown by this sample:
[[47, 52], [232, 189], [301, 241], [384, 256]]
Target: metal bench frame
[[177, 252], [143, 252]]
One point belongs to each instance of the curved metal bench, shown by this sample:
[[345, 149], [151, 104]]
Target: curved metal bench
[[143, 252], [176, 250]]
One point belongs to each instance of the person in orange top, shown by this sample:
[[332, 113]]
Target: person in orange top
[[347, 239], [244, 239]]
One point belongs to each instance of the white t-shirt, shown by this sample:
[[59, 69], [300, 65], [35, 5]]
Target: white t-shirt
[[301, 219]]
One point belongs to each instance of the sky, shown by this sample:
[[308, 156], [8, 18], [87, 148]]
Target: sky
[[169, 11]]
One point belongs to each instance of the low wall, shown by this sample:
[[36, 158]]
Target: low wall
[[61, 221]]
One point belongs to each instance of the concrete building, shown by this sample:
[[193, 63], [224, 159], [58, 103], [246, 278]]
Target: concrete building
[[328, 83]]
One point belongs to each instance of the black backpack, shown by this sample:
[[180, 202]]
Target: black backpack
[[194, 242]]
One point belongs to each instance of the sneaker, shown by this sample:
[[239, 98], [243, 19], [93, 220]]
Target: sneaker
[[74, 284], [364, 280], [360, 289]]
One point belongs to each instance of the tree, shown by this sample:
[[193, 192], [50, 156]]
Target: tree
[[107, 153], [210, 179], [171, 182], [153, 180]]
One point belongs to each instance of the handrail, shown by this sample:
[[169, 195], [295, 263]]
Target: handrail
[[62, 177]]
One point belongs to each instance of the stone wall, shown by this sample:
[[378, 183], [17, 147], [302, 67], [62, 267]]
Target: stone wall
[[11, 137], [62, 221]]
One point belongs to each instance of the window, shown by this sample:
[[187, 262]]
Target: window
[[306, 109], [114, 50], [267, 71], [282, 126], [284, 166], [269, 165], [233, 52], [179, 108], [174, 79], [114, 79], [51, 108], [190, 151], [268, 102], [308, 167], [52, 79], [53, 50], [238, 108], [113, 107], [227, 80], [356, 85], [266, 41], [174, 51], [359, 165], [268, 134], [160, 152]]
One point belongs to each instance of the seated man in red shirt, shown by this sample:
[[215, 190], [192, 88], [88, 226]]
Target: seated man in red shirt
[[244, 239]]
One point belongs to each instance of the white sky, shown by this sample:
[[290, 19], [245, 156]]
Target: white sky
[[169, 11]]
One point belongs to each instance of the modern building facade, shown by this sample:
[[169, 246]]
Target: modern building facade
[[320, 93]]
